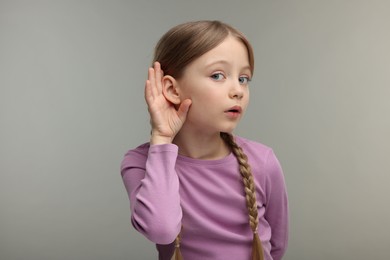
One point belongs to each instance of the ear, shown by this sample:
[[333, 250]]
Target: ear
[[170, 89]]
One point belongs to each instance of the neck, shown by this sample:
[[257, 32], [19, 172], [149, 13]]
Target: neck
[[198, 146]]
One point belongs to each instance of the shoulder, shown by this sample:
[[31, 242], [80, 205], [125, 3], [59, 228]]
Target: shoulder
[[141, 150], [253, 148], [136, 156], [260, 156]]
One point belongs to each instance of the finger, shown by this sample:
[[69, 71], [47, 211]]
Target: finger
[[148, 93], [152, 82], [158, 77], [183, 109]]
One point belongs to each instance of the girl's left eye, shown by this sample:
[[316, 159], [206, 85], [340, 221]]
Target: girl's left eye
[[217, 76], [244, 80]]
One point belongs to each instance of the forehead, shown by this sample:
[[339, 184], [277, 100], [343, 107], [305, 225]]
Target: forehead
[[231, 51]]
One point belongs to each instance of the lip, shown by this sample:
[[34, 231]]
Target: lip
[[234, 109], [234, 112]]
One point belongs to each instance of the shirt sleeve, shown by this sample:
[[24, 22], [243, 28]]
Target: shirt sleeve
[[276, 207], [153, 190]]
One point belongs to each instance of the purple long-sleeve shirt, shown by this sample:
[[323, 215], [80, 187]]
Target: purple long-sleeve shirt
[[168, 191]]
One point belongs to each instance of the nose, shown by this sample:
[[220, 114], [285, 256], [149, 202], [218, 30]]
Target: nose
[[236, 90]]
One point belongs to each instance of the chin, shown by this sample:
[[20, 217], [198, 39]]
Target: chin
[[228, 130]]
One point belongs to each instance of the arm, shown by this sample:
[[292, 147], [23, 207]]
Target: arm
[[277, 207], [150, 179], [153, 189]]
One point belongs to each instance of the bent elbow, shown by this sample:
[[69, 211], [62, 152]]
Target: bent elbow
[[159, 232], [163, 236]]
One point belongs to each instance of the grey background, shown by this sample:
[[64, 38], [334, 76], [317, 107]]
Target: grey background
[[71, 104]]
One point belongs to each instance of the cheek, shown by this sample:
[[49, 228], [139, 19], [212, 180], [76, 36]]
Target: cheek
[[245, 101], [202, 96], [201, 103], [188, 91]]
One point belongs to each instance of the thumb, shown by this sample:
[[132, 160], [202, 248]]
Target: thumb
[[183, 109]]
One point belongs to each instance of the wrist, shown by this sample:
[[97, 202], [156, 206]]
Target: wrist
[[158, 139]]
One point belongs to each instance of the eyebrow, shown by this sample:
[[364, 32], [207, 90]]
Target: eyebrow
[[224, 62]]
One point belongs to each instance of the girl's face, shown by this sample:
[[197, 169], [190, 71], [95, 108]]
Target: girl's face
[[217, 83]]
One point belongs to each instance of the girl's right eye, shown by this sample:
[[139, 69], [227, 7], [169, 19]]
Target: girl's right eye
[[217, 76]]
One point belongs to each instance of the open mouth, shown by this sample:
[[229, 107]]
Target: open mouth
[[234, 112], [235, 109]]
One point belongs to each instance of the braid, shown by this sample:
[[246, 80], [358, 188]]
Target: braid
[[177, 253], [250, 196], [250, 193]]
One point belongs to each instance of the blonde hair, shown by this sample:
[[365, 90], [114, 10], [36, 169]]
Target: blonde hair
[[175, 50], [250, 193], [186, 42]]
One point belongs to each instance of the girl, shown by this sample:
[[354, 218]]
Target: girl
[[196, 190]]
